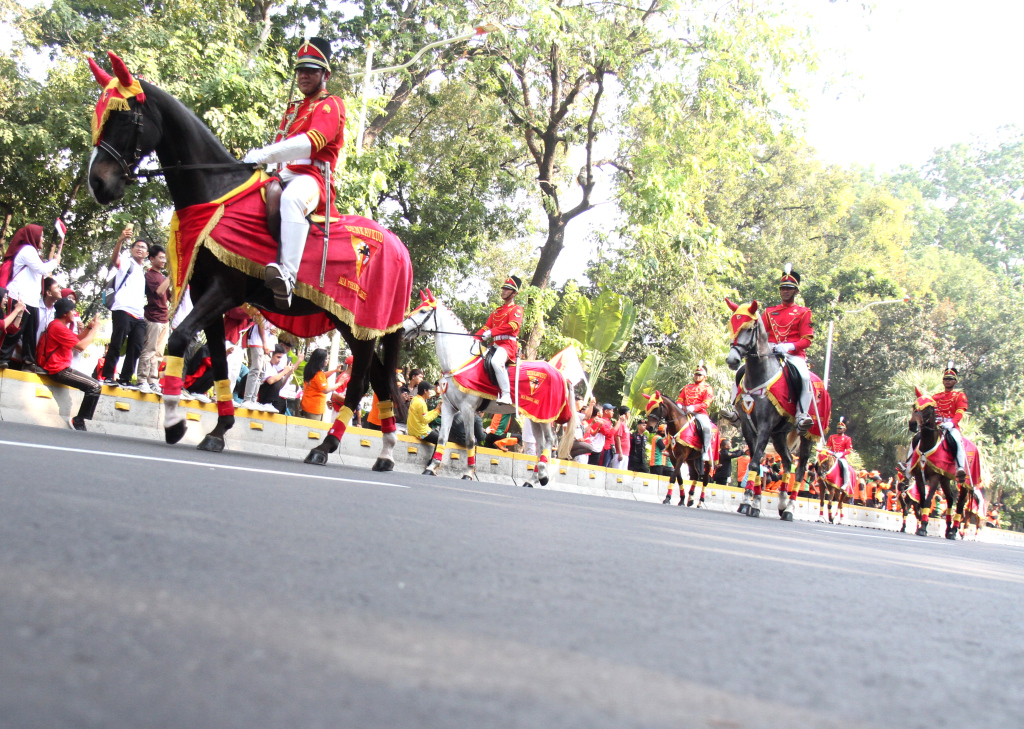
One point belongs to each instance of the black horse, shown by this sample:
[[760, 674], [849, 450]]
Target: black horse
[[198, 169], [763, 422]]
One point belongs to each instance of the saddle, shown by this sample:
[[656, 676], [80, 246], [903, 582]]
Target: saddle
[[272, 192]]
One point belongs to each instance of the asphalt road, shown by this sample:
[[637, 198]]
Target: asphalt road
[[174, 588]]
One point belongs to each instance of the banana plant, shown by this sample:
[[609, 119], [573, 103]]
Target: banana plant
[[602, 327], [641, 382]]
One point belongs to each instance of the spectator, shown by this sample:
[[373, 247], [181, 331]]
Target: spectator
[[992, 518], [258, 347], [638, 449], [155, 315], [338, 398], [723, 469], [50, 296], [198, 369], [55, 348], [128, 311], [12, 320], [420, 417], [415, 378], [497, 430], [743, 466], [279, 370], [621, 440], [26, 270], [315, 389], [659, 459], [457, 433]]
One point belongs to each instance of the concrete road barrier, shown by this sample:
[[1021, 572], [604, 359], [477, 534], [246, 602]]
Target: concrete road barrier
[[27, 398]]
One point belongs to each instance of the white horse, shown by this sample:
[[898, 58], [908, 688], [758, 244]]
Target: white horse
[[456, 347]]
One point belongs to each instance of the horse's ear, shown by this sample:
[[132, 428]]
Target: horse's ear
[[753, 306], [101, 76], [124, 76], [732, 306], [918, 392]]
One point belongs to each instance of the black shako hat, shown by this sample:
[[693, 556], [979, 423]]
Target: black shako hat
[[314, 53]]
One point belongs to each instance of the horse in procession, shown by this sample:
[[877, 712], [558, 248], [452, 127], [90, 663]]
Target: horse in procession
[[685, 449], [539, 391], [221, 246]]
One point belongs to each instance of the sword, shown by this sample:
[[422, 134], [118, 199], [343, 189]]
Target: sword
[[326, 171]]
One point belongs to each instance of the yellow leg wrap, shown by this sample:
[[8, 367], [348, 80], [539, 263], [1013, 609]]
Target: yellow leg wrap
[[386, 409], [345, 415], [223, 390], [173, 366], [546, 453]]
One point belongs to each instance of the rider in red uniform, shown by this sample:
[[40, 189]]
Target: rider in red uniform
[[503, 325], [695, 399], [307, 144], [950, 406], [790, 332], [840, 446]]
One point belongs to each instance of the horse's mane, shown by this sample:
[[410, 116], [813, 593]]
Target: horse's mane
[[455, 321], [182, 115]]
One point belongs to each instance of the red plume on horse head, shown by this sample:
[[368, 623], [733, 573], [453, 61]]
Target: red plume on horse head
[[101, 76]]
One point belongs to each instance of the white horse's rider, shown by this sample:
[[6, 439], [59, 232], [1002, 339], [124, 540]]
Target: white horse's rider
[[790, 333], [503, 326], [307, 144], [950, 406], [695, 399]]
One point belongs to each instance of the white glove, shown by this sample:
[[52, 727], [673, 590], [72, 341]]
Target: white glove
[[946, 425], [690, 409], [783, 348], [287, 150], [485, 334]]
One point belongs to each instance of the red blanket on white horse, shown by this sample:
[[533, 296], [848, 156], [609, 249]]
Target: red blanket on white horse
[[369, 275], [541, 389], [777, 390]]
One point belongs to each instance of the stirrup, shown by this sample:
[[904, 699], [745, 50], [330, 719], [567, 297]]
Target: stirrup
[[277, 281]]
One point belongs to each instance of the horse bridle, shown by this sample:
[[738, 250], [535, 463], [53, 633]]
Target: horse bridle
[[127, 169], [746, 349], [418, 331]]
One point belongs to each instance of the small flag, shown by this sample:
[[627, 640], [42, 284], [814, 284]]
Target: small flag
[[61, 228], [568, 363]]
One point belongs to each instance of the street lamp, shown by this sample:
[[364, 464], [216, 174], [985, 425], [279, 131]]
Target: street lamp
[[367, 74], [828, 347]]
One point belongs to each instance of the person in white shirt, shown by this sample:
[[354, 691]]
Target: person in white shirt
[[277, 375], [127, 311], [26, 285], [51, 295], [257, 344]]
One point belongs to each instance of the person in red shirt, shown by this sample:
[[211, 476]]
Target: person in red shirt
[[695, 399], [790, 333], [840, 445], [55, 350], [308, 142], [503, 325], [950, 406]]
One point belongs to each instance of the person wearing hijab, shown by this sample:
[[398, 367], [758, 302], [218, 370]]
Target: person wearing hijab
[[55, 351], [25, 269]]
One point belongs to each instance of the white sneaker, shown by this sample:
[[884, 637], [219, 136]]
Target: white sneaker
[[203, 397], [269, 408], [145, 389], [249, 405], [186, 395]]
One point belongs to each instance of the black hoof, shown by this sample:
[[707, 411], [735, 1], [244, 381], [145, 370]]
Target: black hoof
[[756, 513], [527, 485], [316, 457], [786, 516], [211, 443], [428, 472], [383, 464], [681, 502], [903, 529], [951, 535], [467, 477], [744, 509], [668, 499], [689, 502], [922, 531], [175, 433], [544, 481]]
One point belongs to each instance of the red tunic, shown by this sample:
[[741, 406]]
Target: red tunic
[[322, 119], [950, 405], [506, 321], [839, 444], [698, 395], [791, 324]]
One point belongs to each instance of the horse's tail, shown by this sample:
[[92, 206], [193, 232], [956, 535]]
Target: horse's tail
[[391, 349], [569, 436]]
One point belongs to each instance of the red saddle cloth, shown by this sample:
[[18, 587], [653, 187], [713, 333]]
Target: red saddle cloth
[[835, 478], [541, 388], [368, 280], [689, 436], [777, 391], [942, 459]]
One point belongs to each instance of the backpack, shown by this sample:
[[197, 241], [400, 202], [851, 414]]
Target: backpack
[[110, 291]]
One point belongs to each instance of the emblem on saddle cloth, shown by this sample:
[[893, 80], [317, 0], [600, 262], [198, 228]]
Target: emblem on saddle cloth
[[363, 254], [535, 379]]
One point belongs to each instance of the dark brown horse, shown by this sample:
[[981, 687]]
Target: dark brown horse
[[827, 489], [199, 169], [929, 477], [679, 452]]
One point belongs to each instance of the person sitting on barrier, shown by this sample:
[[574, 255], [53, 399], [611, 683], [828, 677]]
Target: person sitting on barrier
[[315, 388], [51, 295], [420, 416], [55, 349], [276, 376], [26, 269], [12, 319]]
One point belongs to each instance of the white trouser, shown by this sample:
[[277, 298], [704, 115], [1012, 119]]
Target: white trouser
[[800, 364], [961, 459], [235, 363], [299, 199], [707, 433], [257, 363], [498, 362]]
